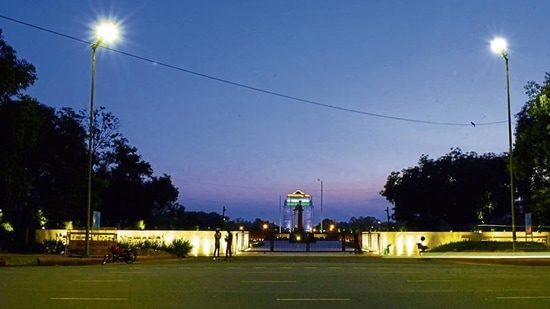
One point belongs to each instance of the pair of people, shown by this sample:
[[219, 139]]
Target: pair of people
[[228, 240]]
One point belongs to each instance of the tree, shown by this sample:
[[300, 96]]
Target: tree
[[129, 191], [453, 192], [18, 126], [532, 151], [123, 198], [163, 195], [43, 162], [61, 168], [41, 167], [364, 223], [124, 189], [15, 75], [20, 121]]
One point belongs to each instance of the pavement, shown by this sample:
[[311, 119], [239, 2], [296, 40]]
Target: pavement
[[513, 258]]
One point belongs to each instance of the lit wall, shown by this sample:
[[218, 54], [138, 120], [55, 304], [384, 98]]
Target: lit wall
[[202, 241], [404, 243]]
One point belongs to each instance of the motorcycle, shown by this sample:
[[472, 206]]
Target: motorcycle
[[119, 253]]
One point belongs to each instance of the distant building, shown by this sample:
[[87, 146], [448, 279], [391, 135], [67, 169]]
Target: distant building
[[298, 212]]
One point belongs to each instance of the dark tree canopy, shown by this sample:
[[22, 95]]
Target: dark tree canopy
[[455, 191], [15, 74], [125, 189], [532, 151], [44, 160]]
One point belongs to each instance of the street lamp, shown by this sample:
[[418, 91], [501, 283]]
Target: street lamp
[[499, 45], [321, 204], [105, 32]]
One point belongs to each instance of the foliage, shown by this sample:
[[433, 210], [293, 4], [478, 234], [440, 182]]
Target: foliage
[[453, 192], [41, 154], [364, 223], [44, 164], [41, 166], [15, 75], [7, 239], [53, 246], [126, 190], [532, 151], [19, 131], [152, 245], [179, 247], [200, 220], [490, 246]]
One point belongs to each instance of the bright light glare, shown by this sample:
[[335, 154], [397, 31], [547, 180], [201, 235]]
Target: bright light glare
[[107, 32], [499, 45]]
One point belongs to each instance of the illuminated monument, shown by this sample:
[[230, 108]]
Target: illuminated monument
[[298, 212]]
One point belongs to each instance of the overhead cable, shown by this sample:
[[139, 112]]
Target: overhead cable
[[236, 84]]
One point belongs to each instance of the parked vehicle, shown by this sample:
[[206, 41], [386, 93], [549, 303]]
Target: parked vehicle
[[119, 253]]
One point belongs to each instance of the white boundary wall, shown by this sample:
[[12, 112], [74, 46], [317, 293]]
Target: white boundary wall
[[404, 243], [202, 241], [401, 243]]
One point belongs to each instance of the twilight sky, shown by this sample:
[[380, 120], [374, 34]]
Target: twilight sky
[[342, 91]]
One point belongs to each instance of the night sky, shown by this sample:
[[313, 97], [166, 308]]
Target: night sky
[[242, 102]]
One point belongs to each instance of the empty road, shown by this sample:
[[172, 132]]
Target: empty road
[[272, 281]]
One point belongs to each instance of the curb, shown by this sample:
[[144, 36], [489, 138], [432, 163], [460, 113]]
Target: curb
[[56, 260]]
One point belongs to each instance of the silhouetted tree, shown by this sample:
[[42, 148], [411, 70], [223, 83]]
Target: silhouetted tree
[[455, 191], [532, 151]]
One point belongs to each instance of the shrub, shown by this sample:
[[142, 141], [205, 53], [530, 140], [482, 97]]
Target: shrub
[[490, 246], [179, 247], [154, 245], [53, 246]]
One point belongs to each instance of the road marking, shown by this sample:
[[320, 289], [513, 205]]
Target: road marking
[[313, 299], [267, 272], [94, 281], [89, 298], [433, 280], [268, 281], [523, 297], [130, 272], [398, 272]]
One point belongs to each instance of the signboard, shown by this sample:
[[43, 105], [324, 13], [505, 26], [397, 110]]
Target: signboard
[[96, 220], [97, 247], [100, 242]]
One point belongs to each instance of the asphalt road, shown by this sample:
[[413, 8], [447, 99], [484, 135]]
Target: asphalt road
[[278, 282]]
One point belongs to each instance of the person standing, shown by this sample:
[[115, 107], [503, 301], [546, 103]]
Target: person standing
[[217, 237], [229, 240], [356, 244]]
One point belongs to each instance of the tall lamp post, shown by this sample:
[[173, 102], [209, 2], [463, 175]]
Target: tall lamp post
[[321, 226], [499, 45], [105, 32]]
